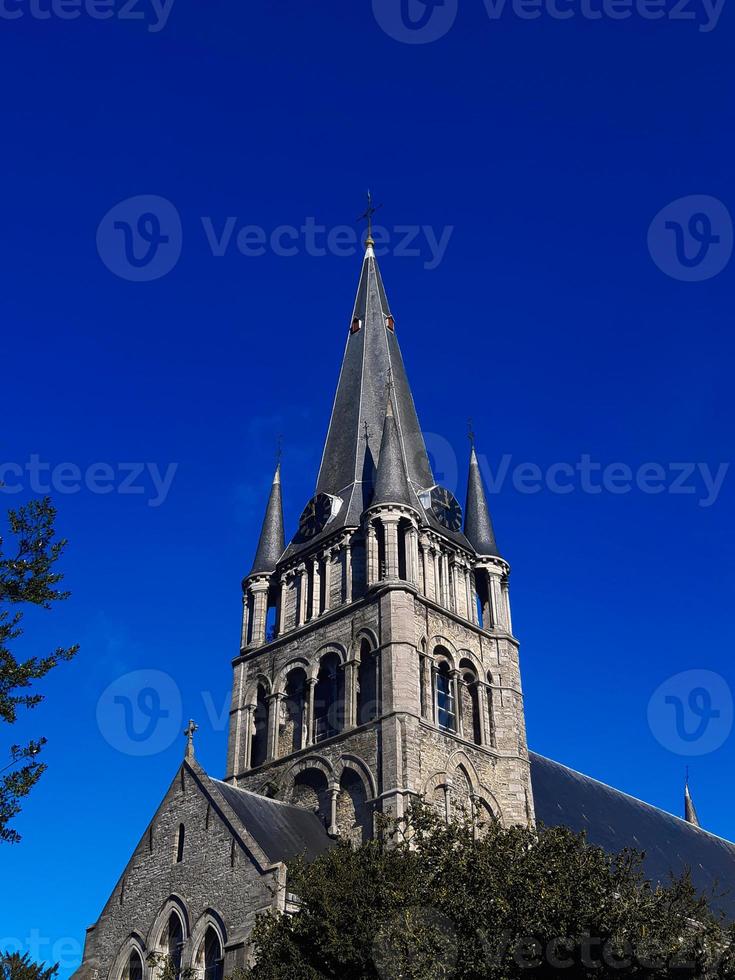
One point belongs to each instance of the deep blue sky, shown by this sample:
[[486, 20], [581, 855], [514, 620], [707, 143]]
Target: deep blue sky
[[548, 146]]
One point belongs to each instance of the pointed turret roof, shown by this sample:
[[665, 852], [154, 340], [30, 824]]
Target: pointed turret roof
[[271, 544], [690, 812], [391, 484], [478, 525], [372, 361]]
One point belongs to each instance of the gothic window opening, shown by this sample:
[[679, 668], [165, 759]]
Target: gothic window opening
[[291, 723], [310, 586], [445, 707], [213, 959], [470, 703], [484, 605], [310, 790], [368, 685], [403, 544], [329, 698], [174, 944], [134, 967], [250, 611], [270, 623], [180, 838], [380, 540], [323, 597], [259, 747]]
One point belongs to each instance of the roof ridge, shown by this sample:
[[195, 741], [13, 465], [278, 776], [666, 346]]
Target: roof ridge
[[620, 792]]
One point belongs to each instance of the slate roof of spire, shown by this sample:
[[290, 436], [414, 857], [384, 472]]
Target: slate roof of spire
[[391, 484], [271, 543], [372, 364], [478, 525], [614, 820], [690, 811]]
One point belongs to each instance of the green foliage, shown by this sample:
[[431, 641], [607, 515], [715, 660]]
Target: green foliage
[[13, 966], [443, 902], [27, 577], [165, 968]]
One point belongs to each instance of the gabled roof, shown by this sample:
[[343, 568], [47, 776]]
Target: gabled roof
[[614, 820], [283, 831]]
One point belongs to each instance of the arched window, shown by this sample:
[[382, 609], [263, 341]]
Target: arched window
[[470, 703], [368, 685], [174, 941], [259, 748], [311, 790], [291, 722], [213, 959], [134, 967], [380, 539], [445, 707], [250, 607], [354, 817], [329, 698], [180, 839], [403, 546]]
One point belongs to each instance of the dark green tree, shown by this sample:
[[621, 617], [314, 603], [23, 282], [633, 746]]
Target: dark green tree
[[13, 966], [448, 902], [28, 559]]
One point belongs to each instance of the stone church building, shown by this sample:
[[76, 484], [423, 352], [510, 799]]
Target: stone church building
[[378, 663]]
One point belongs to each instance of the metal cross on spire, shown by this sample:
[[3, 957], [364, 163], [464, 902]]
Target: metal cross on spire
[[369, 212], [471, 433]]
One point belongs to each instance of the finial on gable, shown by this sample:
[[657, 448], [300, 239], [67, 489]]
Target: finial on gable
[[189, 731]]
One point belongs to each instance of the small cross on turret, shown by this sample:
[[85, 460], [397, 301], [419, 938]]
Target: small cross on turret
[[189, 731]]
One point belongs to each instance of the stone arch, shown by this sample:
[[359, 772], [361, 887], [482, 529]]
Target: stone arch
[[436, 794], [134, 944], [462, 793], [200, 946], [329, 693], [450, 651], [460, 760], [279, 685], [353, 813], [369, 701], [362, 769], [174, 903], [292, 707], [260, 680], [260, 725], [332, 647], [487, 808], [364, 633], [473, 659]]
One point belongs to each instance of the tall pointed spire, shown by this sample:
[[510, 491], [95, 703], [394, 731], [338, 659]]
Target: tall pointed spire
[[271, 543], [371, 358], [690, 812], [391, 485], [478, 525]]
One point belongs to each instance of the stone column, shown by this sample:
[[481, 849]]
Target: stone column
[[348, 571], [412, 555], [456, 682], [327, 581], [505, 591], [247, 736], [310, 686], [445, 574], [372, 555], [494, 590], [274, 720], [483, 709], [492, 740], [316, 589], [438, 598], [350, 686], [259, 589], [333, 794], [302, 594], [423, 584], [390, 523], [281, 618]]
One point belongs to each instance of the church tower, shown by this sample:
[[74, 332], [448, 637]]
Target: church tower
[[377, 660]]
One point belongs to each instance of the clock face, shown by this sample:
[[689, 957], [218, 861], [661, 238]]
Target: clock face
[[445, 508], [315, 517]]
